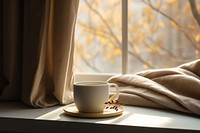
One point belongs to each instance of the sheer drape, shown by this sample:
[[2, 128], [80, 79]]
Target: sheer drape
[[36, 50]]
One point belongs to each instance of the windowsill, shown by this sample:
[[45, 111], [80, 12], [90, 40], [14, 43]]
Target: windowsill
[[17, 117]]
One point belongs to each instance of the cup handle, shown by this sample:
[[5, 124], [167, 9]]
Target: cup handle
[[116, 95]]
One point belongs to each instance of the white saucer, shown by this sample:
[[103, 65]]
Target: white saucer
[[73, 111]]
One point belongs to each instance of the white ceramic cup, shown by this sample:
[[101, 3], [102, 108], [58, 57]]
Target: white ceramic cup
[[90, 96]]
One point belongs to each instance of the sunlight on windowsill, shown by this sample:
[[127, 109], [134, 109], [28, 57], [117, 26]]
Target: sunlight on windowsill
[[132, 116], [127, 118], [147, 120], [52, 115], [137, 119]]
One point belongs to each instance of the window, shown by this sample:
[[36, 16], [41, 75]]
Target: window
[[98, 37], [126, 36]]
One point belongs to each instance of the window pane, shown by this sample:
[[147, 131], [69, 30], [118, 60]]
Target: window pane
[[162, 33], [98, 37]]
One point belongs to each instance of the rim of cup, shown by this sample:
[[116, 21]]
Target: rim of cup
[[91, 83]]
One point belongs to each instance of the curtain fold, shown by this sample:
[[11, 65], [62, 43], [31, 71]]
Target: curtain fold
[[11, 29], [38, 49]]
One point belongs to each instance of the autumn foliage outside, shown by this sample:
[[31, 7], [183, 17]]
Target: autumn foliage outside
[[161, 33]]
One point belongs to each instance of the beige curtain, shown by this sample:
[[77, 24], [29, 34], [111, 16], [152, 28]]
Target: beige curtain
[[36, 51]]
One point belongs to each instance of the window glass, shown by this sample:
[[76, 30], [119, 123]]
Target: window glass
[[162, 33], [98, 37]]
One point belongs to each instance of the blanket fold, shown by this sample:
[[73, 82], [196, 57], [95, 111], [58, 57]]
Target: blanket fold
[[170, 88]]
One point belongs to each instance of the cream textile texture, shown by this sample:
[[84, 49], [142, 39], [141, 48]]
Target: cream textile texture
[[171, 88]]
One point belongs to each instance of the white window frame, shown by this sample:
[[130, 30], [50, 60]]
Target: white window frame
[[124, 49]]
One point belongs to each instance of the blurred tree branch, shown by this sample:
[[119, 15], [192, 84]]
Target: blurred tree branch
[[194, 10], [103, 20], [108, 33], [113, 35], [180, 28]]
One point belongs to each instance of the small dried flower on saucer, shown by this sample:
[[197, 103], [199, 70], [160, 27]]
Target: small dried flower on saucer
[[113, 104]]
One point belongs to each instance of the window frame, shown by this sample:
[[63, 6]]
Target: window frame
[[124, 36]]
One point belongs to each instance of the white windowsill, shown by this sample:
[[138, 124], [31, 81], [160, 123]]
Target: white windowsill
[[17, 117]]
